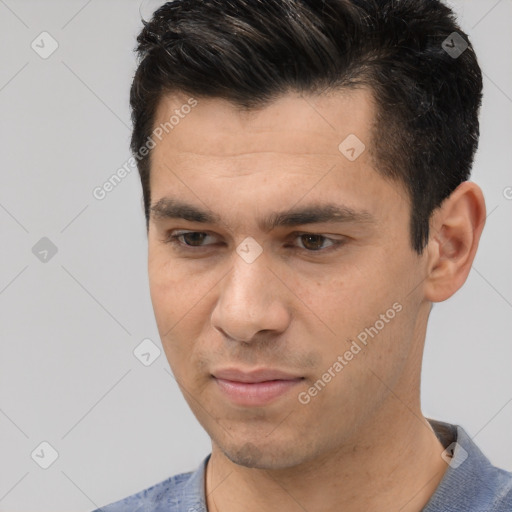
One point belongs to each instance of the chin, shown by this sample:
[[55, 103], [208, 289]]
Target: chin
[[264, 455]]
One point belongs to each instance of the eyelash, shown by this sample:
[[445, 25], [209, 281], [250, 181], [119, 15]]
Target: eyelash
[[174, 239]]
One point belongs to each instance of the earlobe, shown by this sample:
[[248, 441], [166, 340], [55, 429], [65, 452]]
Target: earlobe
[[456, 227]]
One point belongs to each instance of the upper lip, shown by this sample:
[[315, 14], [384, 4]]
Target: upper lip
[[253, 376]]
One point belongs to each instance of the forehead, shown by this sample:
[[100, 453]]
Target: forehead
[[293, 123], [243, 164]]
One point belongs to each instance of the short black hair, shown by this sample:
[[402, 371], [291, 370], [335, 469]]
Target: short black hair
[[425, 80]]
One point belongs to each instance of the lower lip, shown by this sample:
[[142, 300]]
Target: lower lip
[[257, 393]]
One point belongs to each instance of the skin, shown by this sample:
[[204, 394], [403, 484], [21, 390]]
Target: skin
[[362, 443]]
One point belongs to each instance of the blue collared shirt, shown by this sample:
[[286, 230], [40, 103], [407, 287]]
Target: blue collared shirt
[[470, 484]]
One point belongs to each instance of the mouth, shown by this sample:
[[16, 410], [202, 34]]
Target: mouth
[[254, 388]]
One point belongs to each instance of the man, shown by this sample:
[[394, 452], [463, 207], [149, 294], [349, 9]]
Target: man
[[304, 167]]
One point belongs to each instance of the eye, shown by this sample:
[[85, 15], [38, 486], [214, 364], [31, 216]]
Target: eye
[[191, 238], [310, 242], [313, 242]]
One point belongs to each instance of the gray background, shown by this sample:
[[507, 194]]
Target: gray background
[[69, 326]]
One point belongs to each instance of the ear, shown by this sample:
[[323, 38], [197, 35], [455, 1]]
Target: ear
[[455, 230]]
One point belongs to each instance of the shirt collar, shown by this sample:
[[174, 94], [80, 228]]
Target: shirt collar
[[467, 464]]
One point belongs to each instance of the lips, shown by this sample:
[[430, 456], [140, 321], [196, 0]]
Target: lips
[[254, 376], [254, 388]]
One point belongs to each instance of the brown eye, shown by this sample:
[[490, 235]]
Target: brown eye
[[187, 239], [312, 242], [193, 238]]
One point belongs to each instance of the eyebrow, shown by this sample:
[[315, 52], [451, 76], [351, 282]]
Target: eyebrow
[[171, 208]]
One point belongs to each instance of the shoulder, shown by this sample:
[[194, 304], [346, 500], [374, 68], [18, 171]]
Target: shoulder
[[501, 490], [489, 485], [471, 483], [168, 495]]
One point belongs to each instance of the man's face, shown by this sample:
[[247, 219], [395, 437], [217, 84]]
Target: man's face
[[298, 306]]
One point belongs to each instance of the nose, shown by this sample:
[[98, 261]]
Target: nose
[[251, 299]]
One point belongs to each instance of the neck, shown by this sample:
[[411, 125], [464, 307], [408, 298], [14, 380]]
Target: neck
[[393, 464]]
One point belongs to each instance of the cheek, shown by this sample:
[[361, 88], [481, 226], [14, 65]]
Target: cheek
[[181, 303], [343, 303], [361, 317], [171, 298], [164, 291], [173, 288]]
